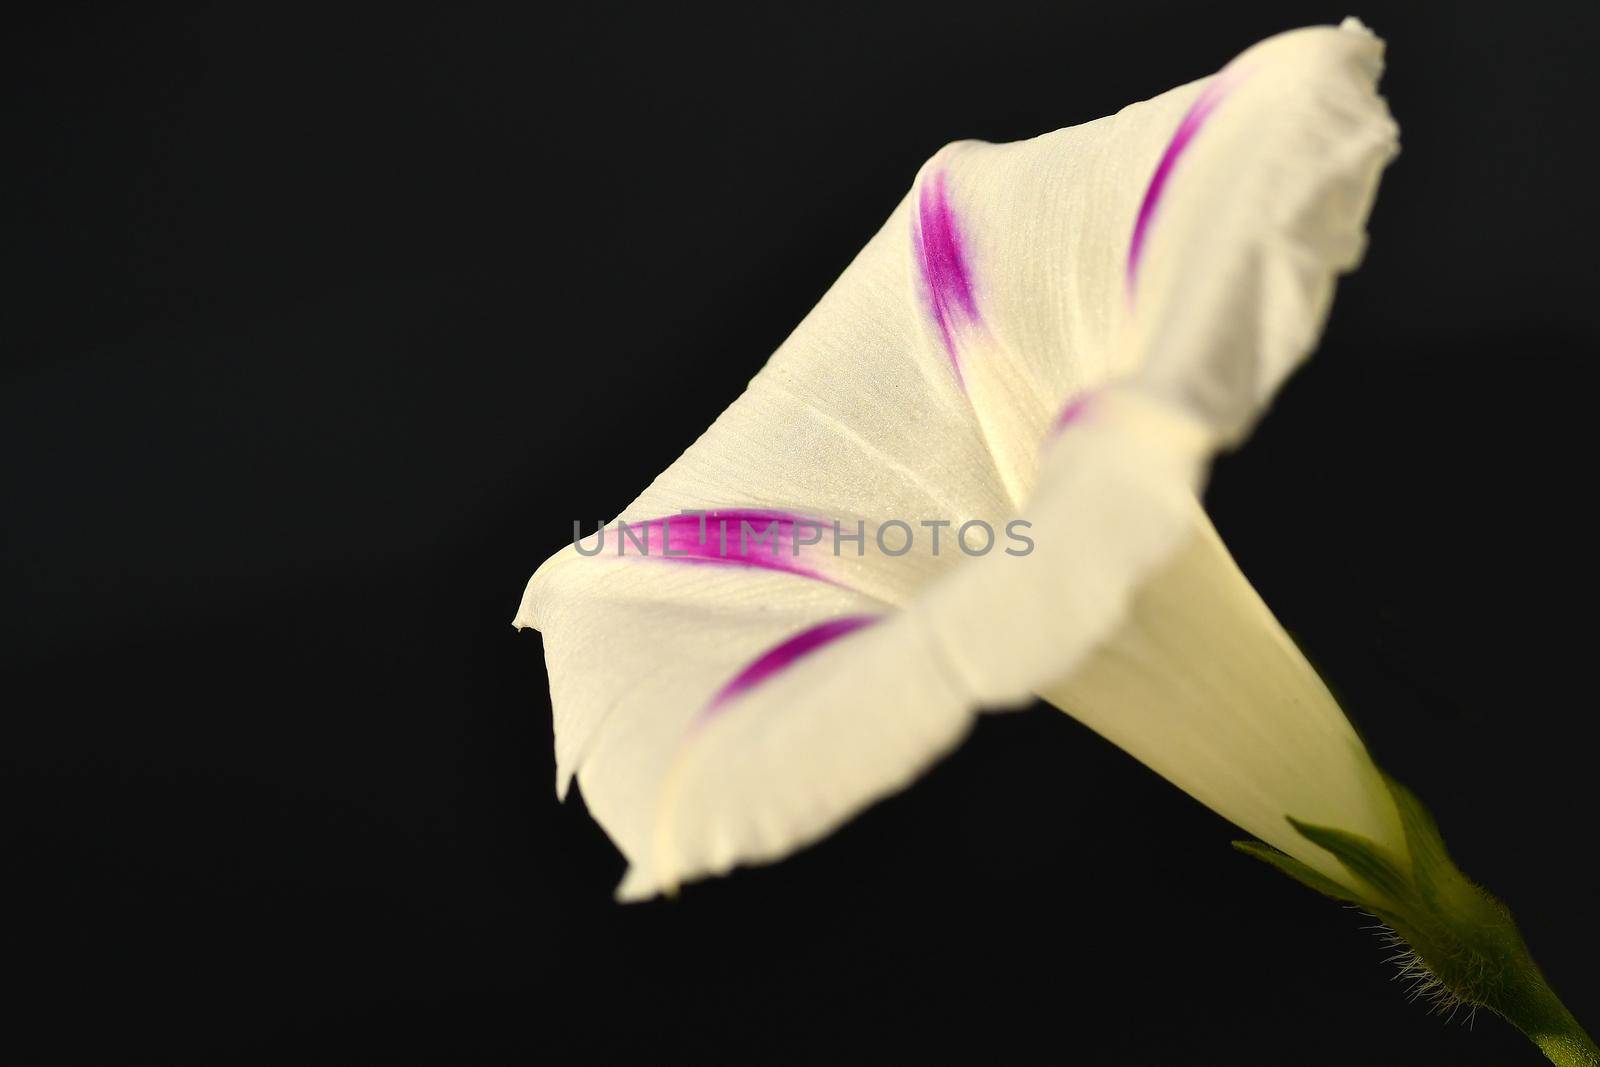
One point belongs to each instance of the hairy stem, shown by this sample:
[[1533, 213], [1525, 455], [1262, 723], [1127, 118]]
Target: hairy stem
[[1464, 947]]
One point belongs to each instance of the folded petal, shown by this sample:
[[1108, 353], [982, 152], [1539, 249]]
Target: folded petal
[[1268, 184]]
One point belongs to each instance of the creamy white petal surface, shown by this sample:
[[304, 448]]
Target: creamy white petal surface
[[1063, 329]]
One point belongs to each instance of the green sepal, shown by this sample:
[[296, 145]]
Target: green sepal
[[1463, 936], [1301, 873], [1361, 857], [1433, 870]]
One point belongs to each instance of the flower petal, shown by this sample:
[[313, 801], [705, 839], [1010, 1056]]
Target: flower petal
[[1201, 684], [784, 762], [1266, 206]]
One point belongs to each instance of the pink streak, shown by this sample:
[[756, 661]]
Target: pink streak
[[1212, 95], [721, 545], [1069, 413], [785, 653], [947, 280]]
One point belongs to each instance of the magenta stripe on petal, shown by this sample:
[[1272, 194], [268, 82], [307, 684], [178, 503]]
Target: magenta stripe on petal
[[1212, 95], [946, 279], [1069, 413], [715, 540], [786, 653]]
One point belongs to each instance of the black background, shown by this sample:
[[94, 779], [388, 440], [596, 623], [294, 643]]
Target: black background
[[325, 325]]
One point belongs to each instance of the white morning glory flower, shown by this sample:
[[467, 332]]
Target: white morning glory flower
[[1062, 329], [970, 478]]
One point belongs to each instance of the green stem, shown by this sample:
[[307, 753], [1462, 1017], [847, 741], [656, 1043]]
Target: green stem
[[1568, 1048], [1539, 1013]]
